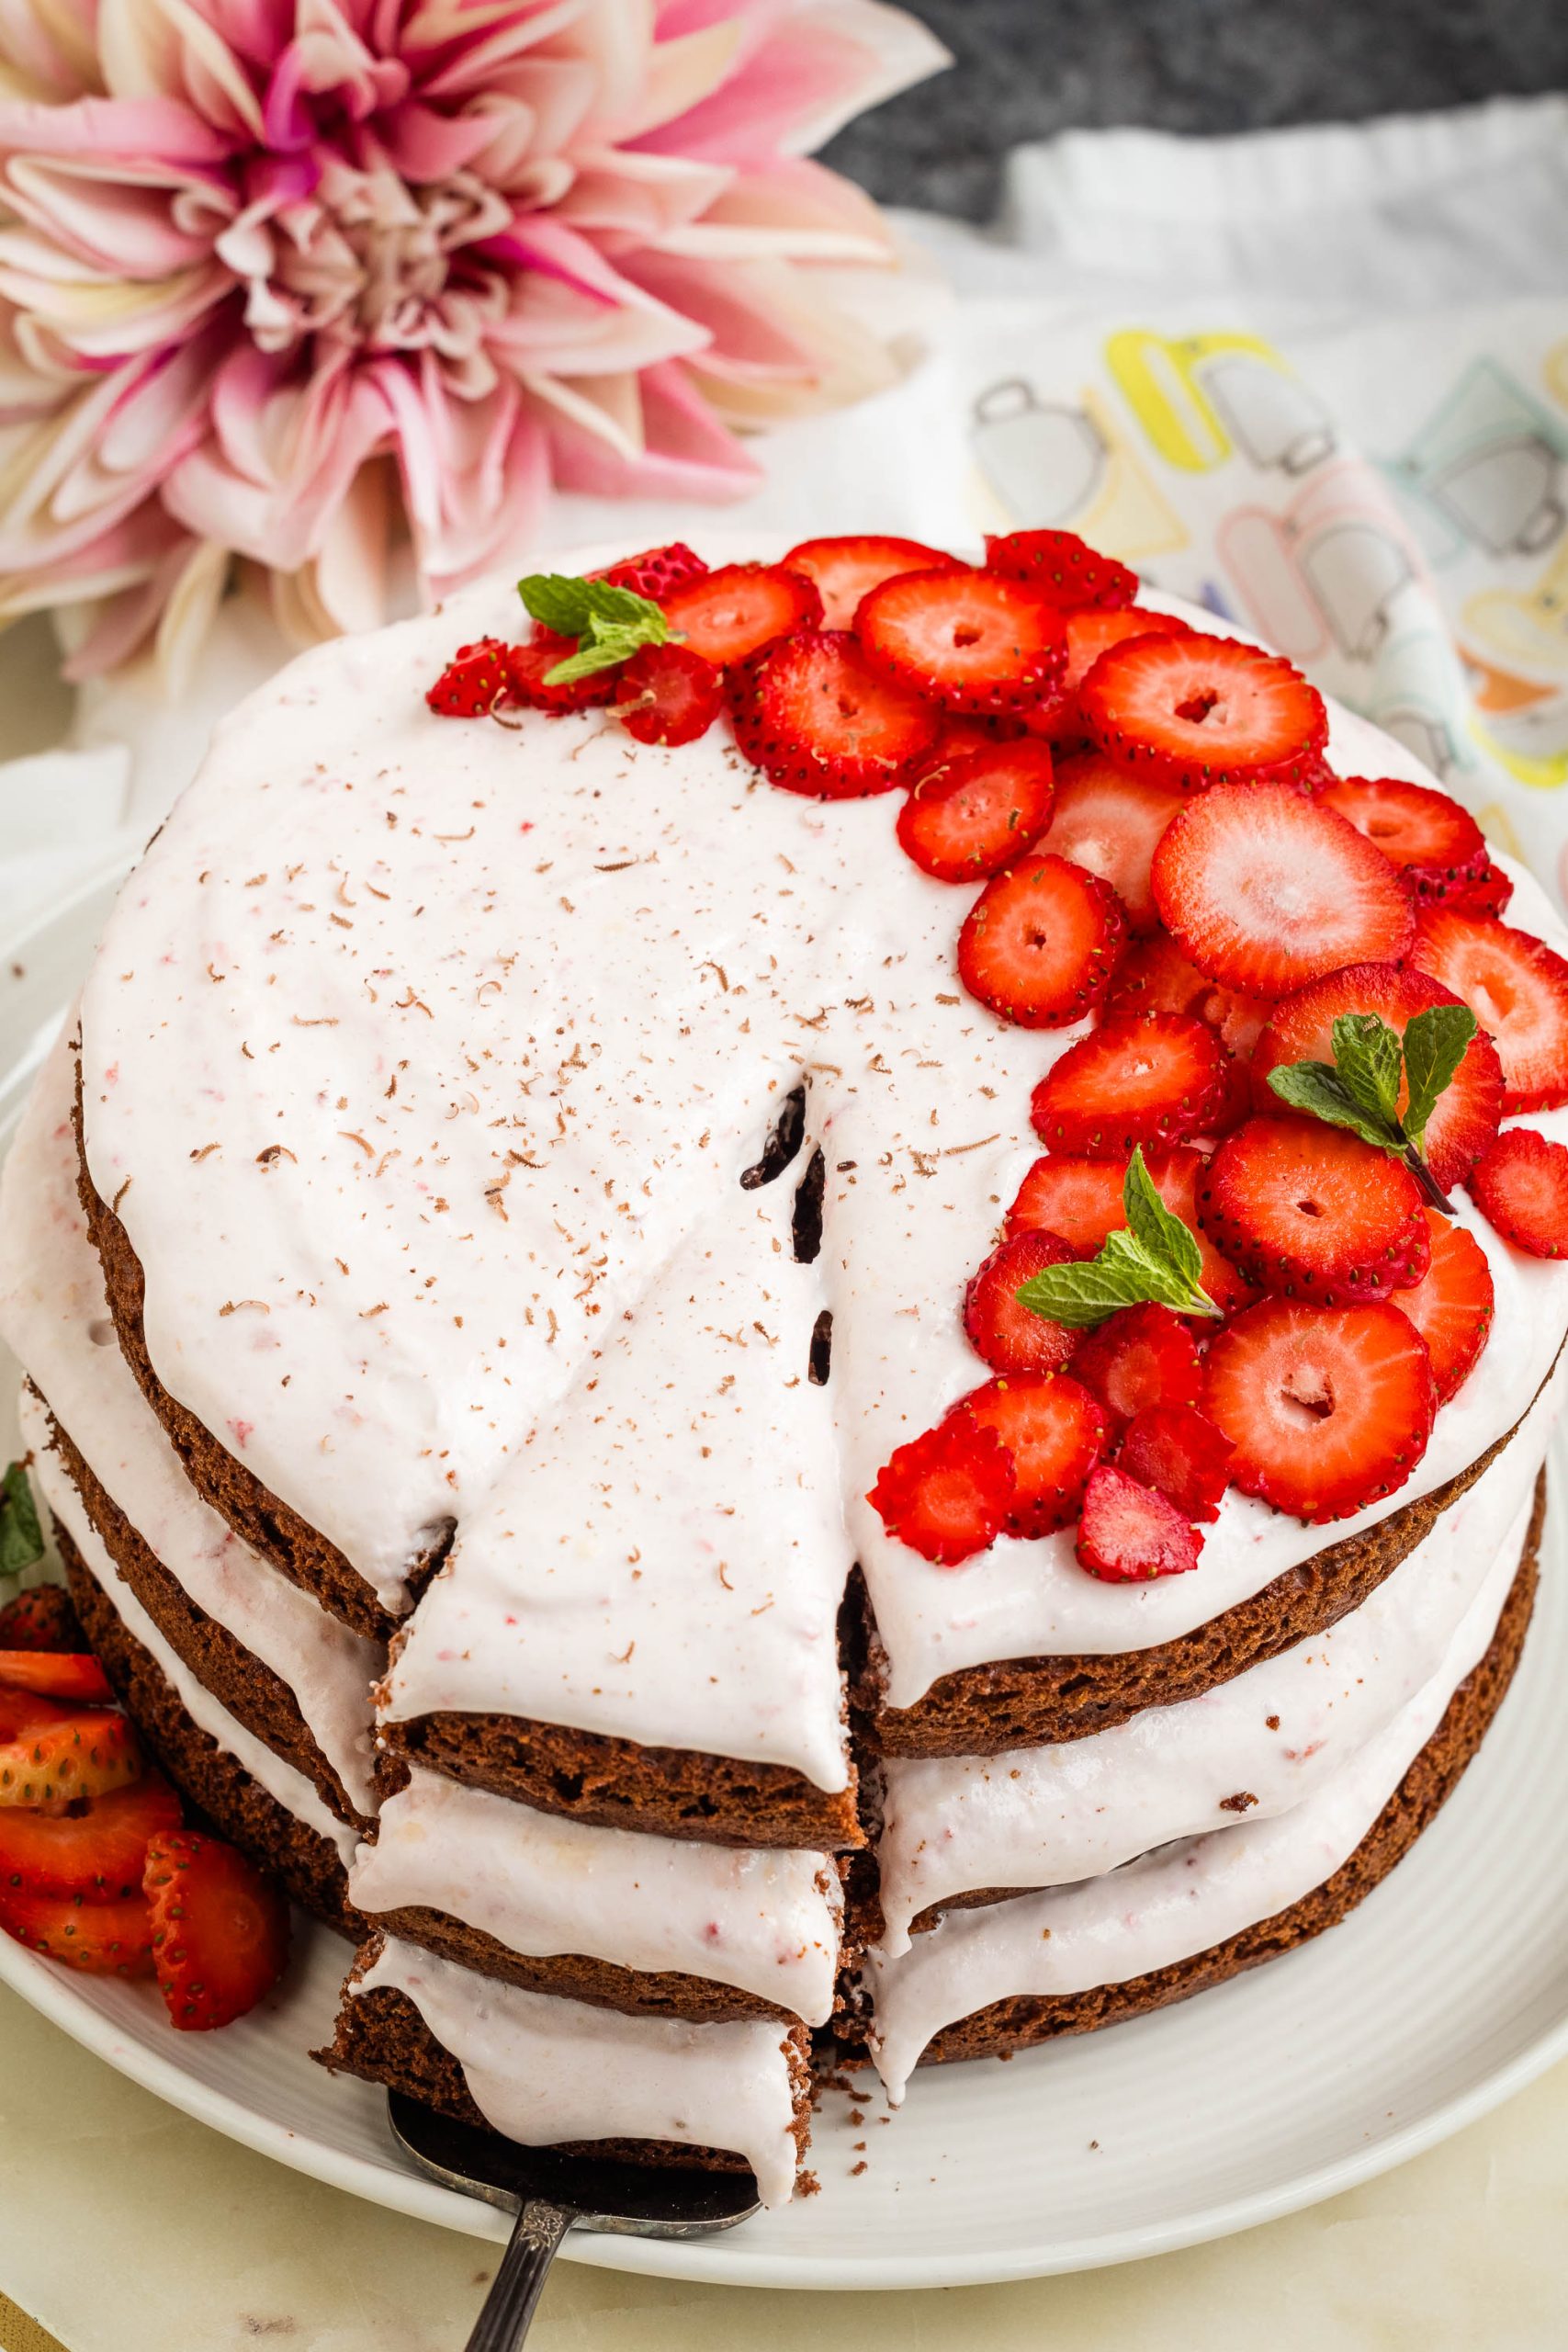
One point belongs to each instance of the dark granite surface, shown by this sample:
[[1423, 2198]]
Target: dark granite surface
[[1027, 68]]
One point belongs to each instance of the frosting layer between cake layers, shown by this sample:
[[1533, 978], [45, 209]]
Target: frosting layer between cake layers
[[542, 2070], [429, 1143], [1180, 1900], [1255, 1745], [53, 1316], [765, 1920]]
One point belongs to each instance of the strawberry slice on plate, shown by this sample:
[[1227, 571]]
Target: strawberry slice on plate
[[1301, 1029], [1081, 1200], [1311, 1212], [50, 1753], [1040, 943], [1197, 710], [1062, 566], [1437, 845], [729, 614], [1130, 1533], [1183, 1456], [1451, 1305], [220, 1929], [97, 1856], [1137, 1357], [59, 1674], [1054, 1431], [970, 815], [947, 1493], [968, 640], [528, 667], [1009, 1336], [42, 1619], [1093, 631], [100, 1939], [819, 720], [1110, 821], [667, 694], [1518, 989], [845, 570], [1140, 1078], [1264, 889], [1520, 1184]]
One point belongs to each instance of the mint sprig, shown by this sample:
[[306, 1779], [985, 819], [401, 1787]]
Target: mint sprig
[[1360, 1089], [1152, 1260], [609, 623], [21, 1537]]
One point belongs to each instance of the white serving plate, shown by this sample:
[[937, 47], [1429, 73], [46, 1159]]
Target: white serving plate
[[1445, 1992]]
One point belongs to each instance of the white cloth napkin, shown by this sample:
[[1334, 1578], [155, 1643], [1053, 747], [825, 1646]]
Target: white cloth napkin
[[1316, 379]]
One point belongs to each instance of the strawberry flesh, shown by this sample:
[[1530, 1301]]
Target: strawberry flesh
[[819, 720], [42, 1619], [50, 1753], [1329, 1408], [730, 613], [1264, 889], [1040, 943], [1081, 1201], [1138, 1079], [1137, 1357], [528, 667], [1518, 989], [1197, 710], [845, 570], [667, 694], [1063, 567], [1155, 976], [1055, 1432], [472, 680], [59, 1674], [1309, 1210], [100, 1939], [657, 572], [1110, 821], [968, 817], [1131, 1533], [94, 1856], [1520, 1184], [1451, 1305], [946, 1494], [1009, 1336], [1182, 1455], [968, 640], [1092, 632], [1438, 846], [220, 1929]]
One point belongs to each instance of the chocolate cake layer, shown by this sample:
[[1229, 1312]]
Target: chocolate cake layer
[[1006, 2026], [615, 1784], [1040, 1702], [215, 1782], [252, 1693], [382, 2038]]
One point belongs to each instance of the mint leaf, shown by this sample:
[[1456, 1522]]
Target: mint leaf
[[1435, 1042], [606, 651], [571, 607], [1318, 1089], [1163, 1236], [1084, 1292], [1366, 1055], [21, 1538], [1151, 1261]]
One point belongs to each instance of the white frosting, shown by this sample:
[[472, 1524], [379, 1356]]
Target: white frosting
[[1047, 1817], [542, 2070], [766, 1920], [292, 1791], [513, 1009], [1177, 1901], [54, 1318]]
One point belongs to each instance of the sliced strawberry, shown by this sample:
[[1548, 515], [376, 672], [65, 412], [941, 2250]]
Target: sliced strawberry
[[1092, 632], [1518, 989], [657, 572], [1264, 889], [468, 685], [50, 1753], [1155, 976], [59, 1674], [1301, 1029], [1520, 1184], [1452, 1304], [96, 1856], [667, 694], [1055, 1432], [1081, 1200], [1311, 1212], [1437, 845], [100, 1939], [1141, 1078], [1040, 943], [968, 640], [220, 1929], [730, 613], [528, 666], [1060, 565], [946, 1493], [970, 817], [820, 720], [1139, 1356], [846, 570], [1183, 1456], [42, 1619], [1108, 821], [1329, 1408], [1130, 1533], [1488, 895], [1009, 1336], [1196, 712]]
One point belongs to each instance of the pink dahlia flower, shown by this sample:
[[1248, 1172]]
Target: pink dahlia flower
[[284, 278]]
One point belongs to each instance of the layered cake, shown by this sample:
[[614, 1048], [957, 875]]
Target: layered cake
[[746, 1420]]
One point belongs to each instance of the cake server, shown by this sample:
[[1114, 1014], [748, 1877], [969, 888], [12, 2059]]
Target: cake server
[[551, 2193]]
